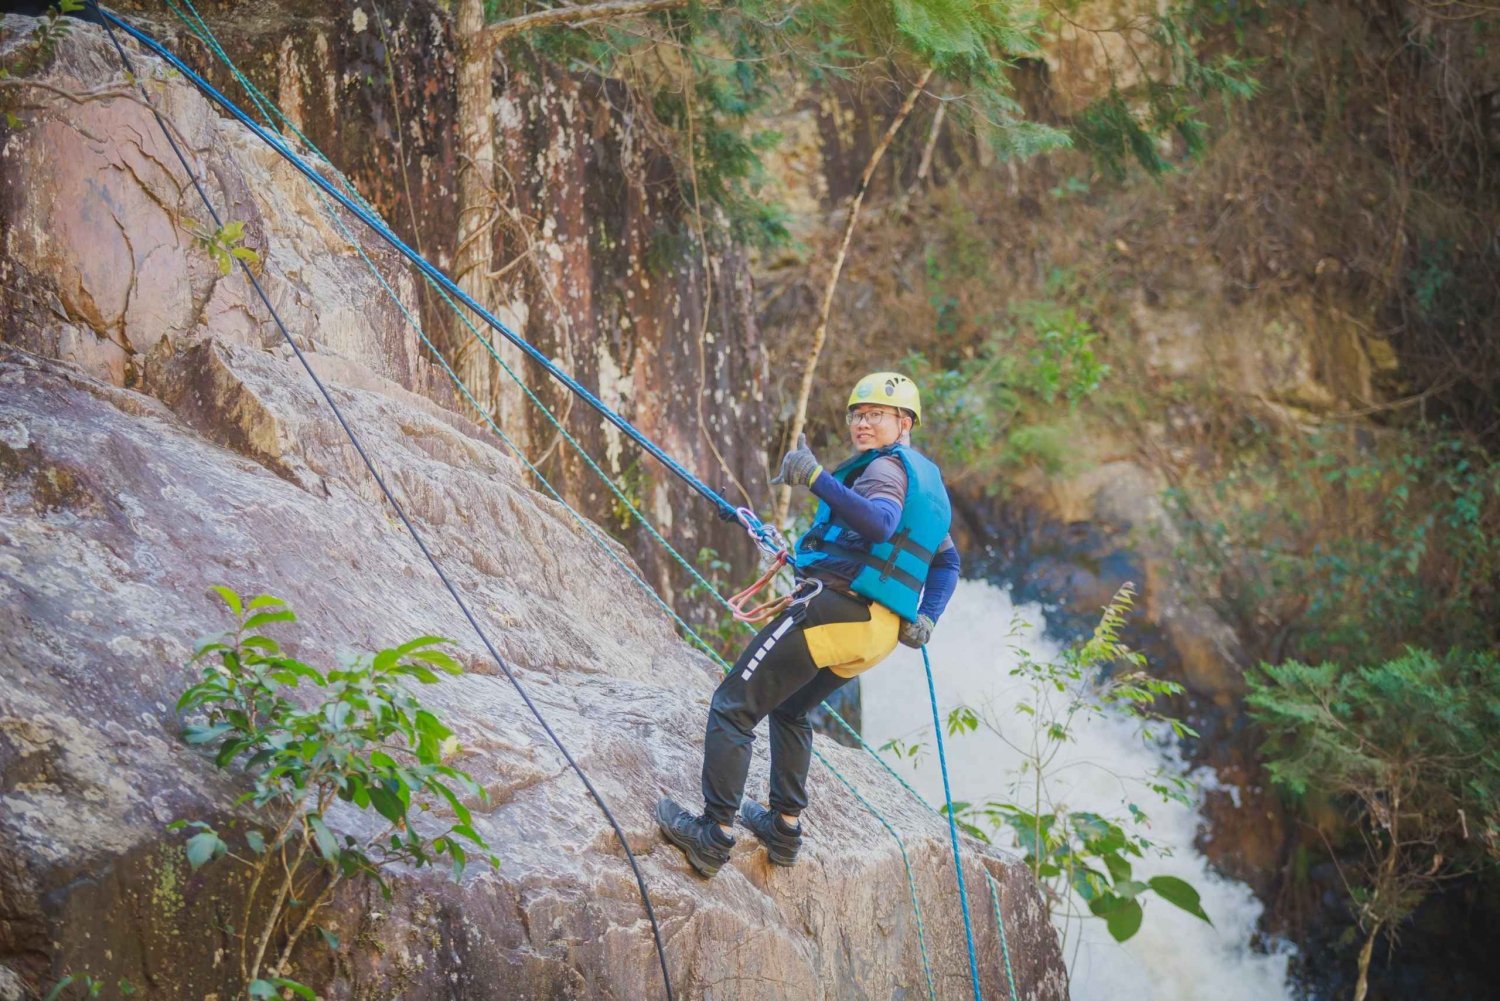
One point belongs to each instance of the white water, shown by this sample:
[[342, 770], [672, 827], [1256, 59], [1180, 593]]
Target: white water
[[1175, 956]]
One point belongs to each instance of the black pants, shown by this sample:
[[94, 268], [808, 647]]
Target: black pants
[[776, 677]]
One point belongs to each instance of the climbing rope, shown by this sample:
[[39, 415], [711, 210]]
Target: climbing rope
[[110, 21], [771, 536], [767, 538], [1010, 974], [958, 866]]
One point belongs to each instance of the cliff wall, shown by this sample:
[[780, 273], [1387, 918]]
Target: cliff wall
[[156, 437]]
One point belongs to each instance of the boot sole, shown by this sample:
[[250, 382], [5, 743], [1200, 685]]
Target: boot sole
[[776, 853], [704, 867], [780, 858]]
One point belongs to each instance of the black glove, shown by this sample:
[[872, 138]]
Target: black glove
[[799, 467], [916, 634]]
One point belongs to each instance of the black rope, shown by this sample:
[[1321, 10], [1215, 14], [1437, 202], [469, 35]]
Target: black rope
[[401, 513]]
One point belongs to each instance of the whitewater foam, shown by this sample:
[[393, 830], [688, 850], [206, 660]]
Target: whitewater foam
[[1175, 956]]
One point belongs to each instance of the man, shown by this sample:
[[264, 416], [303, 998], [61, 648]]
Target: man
[[883, 566]]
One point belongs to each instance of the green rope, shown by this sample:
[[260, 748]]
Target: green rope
[[911, 883], [1010, 974], [269, 111]]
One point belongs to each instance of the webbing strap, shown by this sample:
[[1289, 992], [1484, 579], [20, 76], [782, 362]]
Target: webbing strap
[[886, 568]]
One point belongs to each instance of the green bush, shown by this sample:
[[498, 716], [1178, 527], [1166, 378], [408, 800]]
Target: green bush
[[1079, 856], [1407, 746], [1012, 404], [361, 738], [1349, 546]]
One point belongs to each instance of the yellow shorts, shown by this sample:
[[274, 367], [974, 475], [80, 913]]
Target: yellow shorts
[[851, 648]]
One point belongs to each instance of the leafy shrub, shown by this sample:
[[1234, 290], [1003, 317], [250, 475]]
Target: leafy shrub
[[1407, 747], [1011, 404], [363, 739], [1348, 546], [1079, 856]]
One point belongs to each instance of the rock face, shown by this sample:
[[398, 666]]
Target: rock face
[[593, 246], [156, 437]]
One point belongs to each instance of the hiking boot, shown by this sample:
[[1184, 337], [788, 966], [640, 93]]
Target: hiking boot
[[781, 840], [705, 845]]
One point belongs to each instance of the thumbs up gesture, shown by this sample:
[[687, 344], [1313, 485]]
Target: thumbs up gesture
[[799, 467]]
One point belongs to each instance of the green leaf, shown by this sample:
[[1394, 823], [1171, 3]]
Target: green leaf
[[465, 831], [460, 859], [204, 734], [229, 750], [387, 804], [229, 598], [203, 847], [382, 760], [262, 989], [266, 618], [431, 726], [422, 674], [1119, 869], [329, 938], [1124, 921], [440, 660], [299, 989], [289, 671], [459, 810], [256, 841], [418, 643], [328, 845], [1179, 893]]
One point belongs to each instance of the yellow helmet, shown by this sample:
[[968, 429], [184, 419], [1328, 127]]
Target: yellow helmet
[[891, 389]]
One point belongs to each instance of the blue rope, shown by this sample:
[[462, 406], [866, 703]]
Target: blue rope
[[367, 215], [958, 865], [269, 109], [726, 510]]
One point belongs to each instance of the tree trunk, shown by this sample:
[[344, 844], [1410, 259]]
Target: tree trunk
[[820, 333], [477, 211], [1362, 984]]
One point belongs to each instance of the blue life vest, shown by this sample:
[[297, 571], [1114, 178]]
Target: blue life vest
[[892, 573]]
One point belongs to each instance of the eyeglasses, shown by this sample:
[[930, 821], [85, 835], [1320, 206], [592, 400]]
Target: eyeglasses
[[874, 418]]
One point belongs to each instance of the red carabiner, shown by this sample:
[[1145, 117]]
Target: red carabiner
[[766, 610]]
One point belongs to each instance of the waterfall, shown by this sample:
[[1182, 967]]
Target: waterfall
[[1175, 956]]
